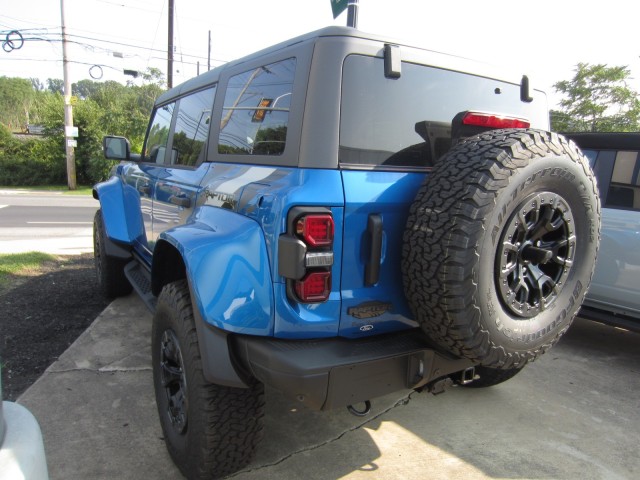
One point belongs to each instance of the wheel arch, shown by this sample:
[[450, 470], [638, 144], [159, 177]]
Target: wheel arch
[[224, 257], [219, 365], [120, 205], [168, 266]]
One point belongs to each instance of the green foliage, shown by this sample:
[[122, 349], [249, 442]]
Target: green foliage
[[16, 97], [55, 85], [14, 263], [85, 88], [38, 161], [561, 121], [102, 108], [37, 84], [597, 99]]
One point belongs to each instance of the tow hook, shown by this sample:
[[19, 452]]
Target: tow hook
[[467, 376], [464, 377], [360, 413]]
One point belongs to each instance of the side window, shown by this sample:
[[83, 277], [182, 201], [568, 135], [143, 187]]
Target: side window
[[192, 127], [624, 189], [601, 162], [256, 110], [156, 143]]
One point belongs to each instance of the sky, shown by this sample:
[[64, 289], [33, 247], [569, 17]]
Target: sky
[[544, 39]]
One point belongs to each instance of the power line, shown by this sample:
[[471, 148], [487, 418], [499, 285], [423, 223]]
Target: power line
[[127, 6], [56, 34], [35, 31]]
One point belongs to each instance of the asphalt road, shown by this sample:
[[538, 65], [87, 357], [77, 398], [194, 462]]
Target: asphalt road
[[46, 222]]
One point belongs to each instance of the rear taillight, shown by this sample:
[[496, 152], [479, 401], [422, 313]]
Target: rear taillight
[[316, 230], [488, 120], [314, 287], [305, 254]]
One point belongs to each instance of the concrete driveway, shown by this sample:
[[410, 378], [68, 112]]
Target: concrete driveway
[[574, 414]]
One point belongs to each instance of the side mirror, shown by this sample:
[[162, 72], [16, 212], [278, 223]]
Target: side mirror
[[116, 148]]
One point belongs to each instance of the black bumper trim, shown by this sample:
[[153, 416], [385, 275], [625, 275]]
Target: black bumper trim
[[336, 372]]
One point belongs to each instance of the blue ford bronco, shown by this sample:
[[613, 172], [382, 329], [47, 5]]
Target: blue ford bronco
[[341, 216]]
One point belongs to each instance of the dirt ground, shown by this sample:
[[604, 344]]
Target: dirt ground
[[41, 315]]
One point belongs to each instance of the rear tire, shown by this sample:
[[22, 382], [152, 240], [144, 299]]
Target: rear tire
[[112, 281], [210, 430]]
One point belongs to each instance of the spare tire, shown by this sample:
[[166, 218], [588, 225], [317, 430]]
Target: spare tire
[[500, 245]]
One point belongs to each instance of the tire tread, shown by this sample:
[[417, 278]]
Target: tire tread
[[445, 223]]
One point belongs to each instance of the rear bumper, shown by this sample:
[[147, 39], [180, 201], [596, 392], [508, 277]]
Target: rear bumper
[[329, 373]]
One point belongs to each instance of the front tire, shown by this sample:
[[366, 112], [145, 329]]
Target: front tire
[[500, 245], [210, 430], [112, 281]]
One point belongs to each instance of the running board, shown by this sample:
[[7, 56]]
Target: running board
[[140, 279]]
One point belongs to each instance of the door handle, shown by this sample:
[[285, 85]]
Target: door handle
[[180, 201], [146, 189], [372, 268]]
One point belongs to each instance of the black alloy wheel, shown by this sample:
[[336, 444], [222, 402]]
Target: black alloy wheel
[[535, 254], [174, 381]]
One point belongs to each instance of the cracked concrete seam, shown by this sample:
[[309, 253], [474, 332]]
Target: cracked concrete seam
[[400, 403], [105, 369]]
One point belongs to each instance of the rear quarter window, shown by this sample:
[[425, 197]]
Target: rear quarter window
[[255, 115]]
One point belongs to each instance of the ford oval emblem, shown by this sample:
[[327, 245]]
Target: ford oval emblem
[[366, 328]]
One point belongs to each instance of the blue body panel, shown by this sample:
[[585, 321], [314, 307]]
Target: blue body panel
[[229, 244], [120, 206], [226, 260], [265, 195], [389, 196], [230, 249]]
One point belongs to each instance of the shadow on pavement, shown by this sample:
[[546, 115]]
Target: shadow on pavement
[[572, 414]]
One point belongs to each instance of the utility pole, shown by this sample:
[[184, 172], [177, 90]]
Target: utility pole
[[69, 140], [170, 48], [352, 14], [209, 53]]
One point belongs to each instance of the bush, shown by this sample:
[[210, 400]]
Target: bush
[[39, 161], [97, 169], [42, 161], [103, 108]]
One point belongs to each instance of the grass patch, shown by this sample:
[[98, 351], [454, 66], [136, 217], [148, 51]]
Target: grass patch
[[81, 190], [20, 264]]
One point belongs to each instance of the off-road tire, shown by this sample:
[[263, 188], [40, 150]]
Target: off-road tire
[[112, 281], [500, 245], [488, 377], [210, 430]]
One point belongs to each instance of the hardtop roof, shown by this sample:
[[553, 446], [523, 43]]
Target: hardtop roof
[[213, 75], [606, 140]]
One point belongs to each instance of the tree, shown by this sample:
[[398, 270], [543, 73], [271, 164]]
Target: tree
[[598, 99], [37, 84], [85, 88], [101, 108], [561, 121], [55, 85], [155, 76], [16, 97]]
